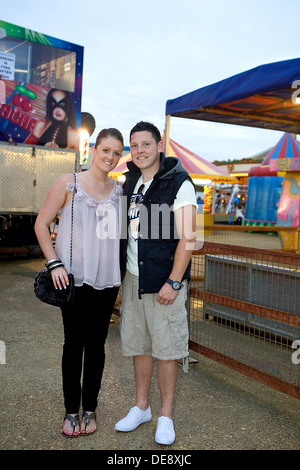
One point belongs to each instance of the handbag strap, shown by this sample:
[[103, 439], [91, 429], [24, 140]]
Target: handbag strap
[[72, 221]]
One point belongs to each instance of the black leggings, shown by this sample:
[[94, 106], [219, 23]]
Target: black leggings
[[85, 328]]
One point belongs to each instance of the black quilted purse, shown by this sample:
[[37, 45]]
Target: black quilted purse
[[46, 292], [43, 285]]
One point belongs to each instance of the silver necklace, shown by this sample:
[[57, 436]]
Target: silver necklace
[[101, 196]]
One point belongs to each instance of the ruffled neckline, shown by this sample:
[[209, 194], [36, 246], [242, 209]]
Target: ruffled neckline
[[112, 198]]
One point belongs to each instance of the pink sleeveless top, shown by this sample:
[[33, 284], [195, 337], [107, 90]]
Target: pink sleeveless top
[[95, 259]]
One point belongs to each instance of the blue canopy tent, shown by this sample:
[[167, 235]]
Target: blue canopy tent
[[261, 97], [264, 97]]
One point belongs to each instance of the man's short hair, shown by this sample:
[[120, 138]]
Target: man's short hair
[[146, 126]]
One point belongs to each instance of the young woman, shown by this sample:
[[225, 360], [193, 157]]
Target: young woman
[[95, 266]]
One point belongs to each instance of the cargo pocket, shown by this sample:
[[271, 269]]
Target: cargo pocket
[[179, 329]]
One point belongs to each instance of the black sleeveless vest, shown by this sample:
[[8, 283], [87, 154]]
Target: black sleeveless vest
[[158, 239]]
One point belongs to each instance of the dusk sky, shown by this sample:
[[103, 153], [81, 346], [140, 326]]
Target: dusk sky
[[139, 54]]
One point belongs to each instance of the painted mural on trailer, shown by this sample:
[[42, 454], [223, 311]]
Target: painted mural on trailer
[[40, 88]]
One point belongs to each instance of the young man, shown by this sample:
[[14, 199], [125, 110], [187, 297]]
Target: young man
[[162, 223]]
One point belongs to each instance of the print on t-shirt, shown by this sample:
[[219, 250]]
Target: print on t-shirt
[[136, 201]]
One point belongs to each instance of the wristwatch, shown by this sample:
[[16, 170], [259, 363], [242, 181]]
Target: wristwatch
[[176, 285]]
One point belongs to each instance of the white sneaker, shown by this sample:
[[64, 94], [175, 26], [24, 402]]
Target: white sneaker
[[165, 433], [135, 417]]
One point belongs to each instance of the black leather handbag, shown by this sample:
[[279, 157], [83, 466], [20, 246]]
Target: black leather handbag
[[43, 285]]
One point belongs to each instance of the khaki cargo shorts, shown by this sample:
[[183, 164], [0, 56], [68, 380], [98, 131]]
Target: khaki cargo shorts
[[148, 328]]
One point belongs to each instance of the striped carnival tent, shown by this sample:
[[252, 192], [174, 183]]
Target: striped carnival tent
[[285, 153], [286, 148], [196, 166]]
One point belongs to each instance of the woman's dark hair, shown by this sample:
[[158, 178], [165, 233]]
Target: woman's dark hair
[[146, 126], [69, 109], [111, 132]]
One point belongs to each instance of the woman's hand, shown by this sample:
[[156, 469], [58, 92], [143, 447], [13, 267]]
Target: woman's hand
[[60, 278]]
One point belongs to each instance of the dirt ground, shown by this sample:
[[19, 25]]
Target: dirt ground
[[216, 407]]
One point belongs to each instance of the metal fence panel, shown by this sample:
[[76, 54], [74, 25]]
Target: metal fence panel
[[27, 174], [244, 311]]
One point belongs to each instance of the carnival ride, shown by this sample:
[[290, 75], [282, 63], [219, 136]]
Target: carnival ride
[[266, 96]]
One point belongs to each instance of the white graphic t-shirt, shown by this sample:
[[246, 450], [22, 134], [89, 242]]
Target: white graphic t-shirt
[[185, 196]]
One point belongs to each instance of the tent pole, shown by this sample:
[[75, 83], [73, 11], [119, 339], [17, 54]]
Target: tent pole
[[167, 132], [214, 198]]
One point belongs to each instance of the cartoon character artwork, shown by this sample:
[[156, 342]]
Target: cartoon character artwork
[[37, 116], [289, 203], [57, 129], [16, 120], [288, 210]]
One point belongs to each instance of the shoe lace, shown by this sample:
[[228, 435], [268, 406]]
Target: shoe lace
[[134, 410], [165, 423]]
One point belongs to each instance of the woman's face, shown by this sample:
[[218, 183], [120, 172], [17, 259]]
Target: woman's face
[[107, 154], [58, 105]]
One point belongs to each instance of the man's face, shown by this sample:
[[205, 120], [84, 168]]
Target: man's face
[[145, 151]]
